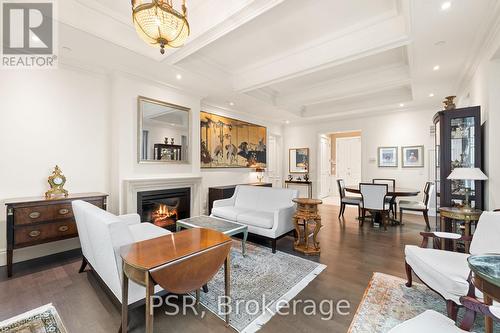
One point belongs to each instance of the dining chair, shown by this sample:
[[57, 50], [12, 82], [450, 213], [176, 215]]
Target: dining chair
[[418, 206], [345, 200], [373, 200], [391, 183]]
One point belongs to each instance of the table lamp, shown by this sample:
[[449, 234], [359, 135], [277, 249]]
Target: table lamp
[[467, 174], [260, 173]]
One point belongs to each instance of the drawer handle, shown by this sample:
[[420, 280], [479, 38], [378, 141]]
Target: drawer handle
[[34, 215], [63, 228], [63, 211], [34, 233]]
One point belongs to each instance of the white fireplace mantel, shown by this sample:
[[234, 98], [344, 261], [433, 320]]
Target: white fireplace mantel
[[132, 186]]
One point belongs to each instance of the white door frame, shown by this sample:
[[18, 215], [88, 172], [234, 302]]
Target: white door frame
[[276, 176]]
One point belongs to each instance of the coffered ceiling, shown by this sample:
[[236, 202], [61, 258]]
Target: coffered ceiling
[[295, 60]]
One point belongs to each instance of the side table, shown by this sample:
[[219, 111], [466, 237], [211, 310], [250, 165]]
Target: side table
[[168, 260], [450, 214], [486, 269], [307, 212]]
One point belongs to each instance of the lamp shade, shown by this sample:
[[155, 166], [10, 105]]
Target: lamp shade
[[467, 174]]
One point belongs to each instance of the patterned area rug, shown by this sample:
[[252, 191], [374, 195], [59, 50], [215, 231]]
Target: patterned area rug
[[276, 277], [44, 319], [388, 302]]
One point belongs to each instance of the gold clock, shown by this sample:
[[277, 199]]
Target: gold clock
[[56, 182]]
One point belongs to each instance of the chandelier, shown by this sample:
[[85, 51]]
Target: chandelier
[[159, 24]]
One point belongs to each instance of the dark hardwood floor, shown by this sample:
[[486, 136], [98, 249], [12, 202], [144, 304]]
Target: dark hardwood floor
[[351, 253]]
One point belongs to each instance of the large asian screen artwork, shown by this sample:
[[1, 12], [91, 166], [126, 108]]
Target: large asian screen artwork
[[231, 143]]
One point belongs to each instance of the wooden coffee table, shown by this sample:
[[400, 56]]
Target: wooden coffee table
[[168, 261], [226, 227]]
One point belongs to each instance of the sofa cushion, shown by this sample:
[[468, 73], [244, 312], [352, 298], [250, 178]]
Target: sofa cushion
[[444, 271], [228, 212], [257, 219], [247, 196], [144, 231], [271, 199], [428, 321]]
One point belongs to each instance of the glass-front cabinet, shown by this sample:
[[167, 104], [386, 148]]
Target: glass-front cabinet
[[458, 145]]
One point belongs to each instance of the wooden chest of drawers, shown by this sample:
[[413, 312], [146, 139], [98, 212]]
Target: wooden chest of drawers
[[33, 221]]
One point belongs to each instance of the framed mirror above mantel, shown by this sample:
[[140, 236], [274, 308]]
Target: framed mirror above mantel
[[164, 132]]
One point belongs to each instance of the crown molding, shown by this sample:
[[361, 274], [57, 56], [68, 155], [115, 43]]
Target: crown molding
[[485, 46], [377, 38]]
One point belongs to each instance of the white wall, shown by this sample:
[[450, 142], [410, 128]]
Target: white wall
[[51, 117], [124, 130], [395, 129], [484, 90]]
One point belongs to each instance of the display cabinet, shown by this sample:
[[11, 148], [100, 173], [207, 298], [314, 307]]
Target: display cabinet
[[458, 143]]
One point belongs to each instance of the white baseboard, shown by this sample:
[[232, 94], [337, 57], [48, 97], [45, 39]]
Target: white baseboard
[[38, 251]]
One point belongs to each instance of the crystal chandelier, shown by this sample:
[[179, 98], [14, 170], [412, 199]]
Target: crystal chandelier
[[159, 24]]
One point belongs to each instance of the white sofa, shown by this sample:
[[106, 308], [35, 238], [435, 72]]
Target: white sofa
[[266, 211], [102, 234]]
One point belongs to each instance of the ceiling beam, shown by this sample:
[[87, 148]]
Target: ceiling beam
[[250, 10], [366, 81], [379, 37]]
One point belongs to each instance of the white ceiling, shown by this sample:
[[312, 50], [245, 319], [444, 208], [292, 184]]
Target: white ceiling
[[294, 60]]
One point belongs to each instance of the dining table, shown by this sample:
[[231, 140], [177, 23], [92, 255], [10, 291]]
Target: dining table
[[392, 193]]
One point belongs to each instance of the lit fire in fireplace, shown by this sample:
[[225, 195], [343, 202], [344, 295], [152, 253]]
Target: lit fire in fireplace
[[165, 215]]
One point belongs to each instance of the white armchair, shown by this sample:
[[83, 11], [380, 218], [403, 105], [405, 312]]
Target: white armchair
[[102, 234], [447, 272], [432, 321], [266, 211]]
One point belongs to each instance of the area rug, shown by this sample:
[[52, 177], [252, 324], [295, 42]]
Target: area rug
[[44, 319], [387, 302], [275, 277]]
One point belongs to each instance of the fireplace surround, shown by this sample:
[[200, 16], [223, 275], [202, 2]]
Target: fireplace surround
[[164, 207]]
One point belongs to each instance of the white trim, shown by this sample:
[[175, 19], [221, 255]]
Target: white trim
[[132, 186]]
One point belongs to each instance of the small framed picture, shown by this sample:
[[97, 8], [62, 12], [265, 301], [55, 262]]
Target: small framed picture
[[412, 156], [387, 157]]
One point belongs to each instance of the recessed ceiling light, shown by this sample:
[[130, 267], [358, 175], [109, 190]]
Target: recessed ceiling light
[[178, 76], [431, 95], [287, 122], [401, 105], [446, 5], [435, 68], [231, 103]]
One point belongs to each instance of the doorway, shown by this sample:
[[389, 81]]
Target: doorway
[[274, 164], [345, 162]]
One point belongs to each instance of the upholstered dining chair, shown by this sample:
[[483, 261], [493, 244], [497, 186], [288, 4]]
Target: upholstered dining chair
[[345, 200], [373, 200], [432, 321], [418, 206], [447, 272], [391, 183]]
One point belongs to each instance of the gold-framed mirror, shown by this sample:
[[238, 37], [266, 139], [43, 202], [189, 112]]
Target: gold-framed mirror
[[163, 132]]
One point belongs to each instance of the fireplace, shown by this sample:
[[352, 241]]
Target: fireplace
[[164, 207]]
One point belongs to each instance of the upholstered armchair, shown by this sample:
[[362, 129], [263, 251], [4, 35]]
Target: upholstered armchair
[[432, 321], [447, 272], [102, 234]]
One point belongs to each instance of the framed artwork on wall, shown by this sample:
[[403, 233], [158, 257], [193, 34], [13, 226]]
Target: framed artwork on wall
[[231, 143], [298, 160], [387, 157], [412, 156]]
